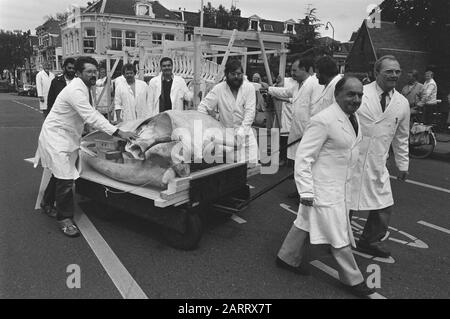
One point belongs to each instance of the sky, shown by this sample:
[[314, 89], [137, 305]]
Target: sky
[[344, 15]]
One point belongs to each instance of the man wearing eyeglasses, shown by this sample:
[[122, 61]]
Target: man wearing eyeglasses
[[384, 117], [235, 101], [59, 142]]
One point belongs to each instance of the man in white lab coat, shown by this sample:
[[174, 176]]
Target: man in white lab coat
[[302, 94], [327, 73], [168, 91], [235, 101], [384, 116], [59, 141], [43, 81], [323, 168], [131, 97]]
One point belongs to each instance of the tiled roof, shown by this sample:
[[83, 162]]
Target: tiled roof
[[393, 37], [126, 7], [193, 19]]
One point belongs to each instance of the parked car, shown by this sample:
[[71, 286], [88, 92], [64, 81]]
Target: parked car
[[27, 90]]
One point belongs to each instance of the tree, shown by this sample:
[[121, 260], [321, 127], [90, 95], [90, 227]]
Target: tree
[[221, 18], [306, 39], [429, 17], [15, 47]]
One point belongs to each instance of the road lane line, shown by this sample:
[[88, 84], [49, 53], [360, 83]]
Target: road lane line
[[28, 106], [442, 229], [124, 282], [425, 185], [334, 273], [238, 219]]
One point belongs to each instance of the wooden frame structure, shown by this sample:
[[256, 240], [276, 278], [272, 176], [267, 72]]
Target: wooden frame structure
[[197, 60]]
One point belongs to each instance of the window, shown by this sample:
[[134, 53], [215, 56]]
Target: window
[[157, 38], [116, 40], [254, 25], [71, 43], [169, 37], [130, 38], [268, 27], [142, 10], [89, 41], [290, 28]]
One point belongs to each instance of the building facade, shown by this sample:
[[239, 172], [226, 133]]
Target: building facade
[[111, 25], [49, 45]]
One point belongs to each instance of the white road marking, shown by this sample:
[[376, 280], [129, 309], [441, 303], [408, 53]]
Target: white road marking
[[238, 219], [442, 229], [425, 185], [28, 106], [413, 243], [29, 160], [124, 282], [334, 273], [389, 260], [288, 208]]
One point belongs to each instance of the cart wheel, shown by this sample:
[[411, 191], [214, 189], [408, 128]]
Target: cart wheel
[[422, 151], [190, 238]]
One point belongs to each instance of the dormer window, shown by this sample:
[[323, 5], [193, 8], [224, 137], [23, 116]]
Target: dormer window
[[144, 9], [253, 23], [289, 27], [268, 27]]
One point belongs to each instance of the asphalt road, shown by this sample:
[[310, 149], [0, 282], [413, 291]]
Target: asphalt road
[[234, 260]]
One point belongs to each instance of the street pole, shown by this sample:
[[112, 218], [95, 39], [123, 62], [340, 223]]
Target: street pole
[[332, 44]]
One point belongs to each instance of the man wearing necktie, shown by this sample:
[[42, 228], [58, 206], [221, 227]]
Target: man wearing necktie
[[384, 120], [324, 166]]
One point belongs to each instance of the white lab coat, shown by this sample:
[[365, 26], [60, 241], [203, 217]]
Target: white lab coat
[[60, 135], [178, 94], [43, 82], [133, 106], [324, 96], [287, 112], [324, 164], [371, 184], [301, 104], [102, 105], [234, 113]]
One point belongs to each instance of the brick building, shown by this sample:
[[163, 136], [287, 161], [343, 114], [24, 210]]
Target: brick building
[[115, 24]]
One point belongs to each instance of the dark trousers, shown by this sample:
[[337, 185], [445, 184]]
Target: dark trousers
[[428, 116], [376, 226], [60, 191]]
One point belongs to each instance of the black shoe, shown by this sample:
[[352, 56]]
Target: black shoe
[[300, 270], [375, 249], [361, 290], [48, 210]]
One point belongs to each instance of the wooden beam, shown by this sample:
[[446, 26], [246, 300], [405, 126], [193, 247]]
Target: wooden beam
[[197, 69], [225, 58], [283, 58], [248, 53], [241, 35], [266, 62], [108, 81]]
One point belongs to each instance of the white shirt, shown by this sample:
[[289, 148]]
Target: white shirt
[[43, 82], [380, 93], [134, 106], [238, 112], [60, 135]]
